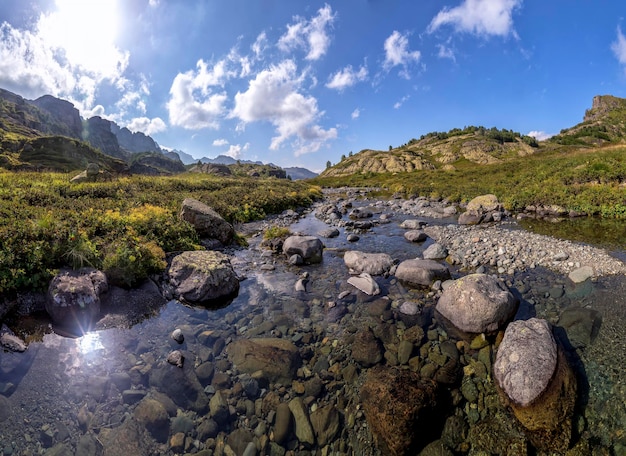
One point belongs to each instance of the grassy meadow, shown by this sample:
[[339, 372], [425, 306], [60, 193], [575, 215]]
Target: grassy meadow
[[592, 181], [123, 226]]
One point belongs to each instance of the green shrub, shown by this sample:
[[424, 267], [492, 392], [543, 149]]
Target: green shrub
[[129, 261]]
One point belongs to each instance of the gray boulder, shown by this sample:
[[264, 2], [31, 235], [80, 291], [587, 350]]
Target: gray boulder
[[371, 263], [309, 248], [413, 224], [477, 303], [73, 298], [207, 222], [421, 272], [365, 283], [202, 276], [415, 236], [526, 360], [435, 252]]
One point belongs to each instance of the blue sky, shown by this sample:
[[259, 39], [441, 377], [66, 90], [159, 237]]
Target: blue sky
[[300, 83]]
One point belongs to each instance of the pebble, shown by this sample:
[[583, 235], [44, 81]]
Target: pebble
[[178, 336]]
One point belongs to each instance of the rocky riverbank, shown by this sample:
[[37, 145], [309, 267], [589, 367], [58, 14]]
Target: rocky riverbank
[[306, 360]]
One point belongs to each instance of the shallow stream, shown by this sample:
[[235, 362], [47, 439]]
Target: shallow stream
[[80, 395]]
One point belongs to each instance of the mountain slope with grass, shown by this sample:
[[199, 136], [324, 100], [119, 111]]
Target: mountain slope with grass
[[584, 175]]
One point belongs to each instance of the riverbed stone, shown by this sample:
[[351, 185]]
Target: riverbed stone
[[207, 222], [181, 385], [413, 224], [581, 325], [367, 350], [421, 272], [310, 248], [277, 359], [9, 341], [151, 414], [326, 423], [73, 298], [536, 381], [303, 428], [399, 406], [371, 263], [477, 303], [202, 276], [282, 425]]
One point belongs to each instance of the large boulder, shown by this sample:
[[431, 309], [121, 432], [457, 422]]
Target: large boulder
[[207, 222], [399, 408], [477, 303], [202, 276], [421, 272], [73, 299], [309, 248], [277, 359], [371, 263], [535, 380], [483, 208]]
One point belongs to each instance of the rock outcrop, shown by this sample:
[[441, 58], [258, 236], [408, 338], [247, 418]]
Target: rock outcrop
[[477, 303]]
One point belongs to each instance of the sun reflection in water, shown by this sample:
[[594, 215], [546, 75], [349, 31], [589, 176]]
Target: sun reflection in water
[[89, 343]]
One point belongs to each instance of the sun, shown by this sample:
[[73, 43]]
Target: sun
[[85, 33]]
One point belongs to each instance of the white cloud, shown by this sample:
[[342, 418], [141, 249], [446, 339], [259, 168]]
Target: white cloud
[[220, 142], [397, 53], [356, 113], [259, 45], [154, 3], [146, 125], [346, 77], [398, 104], [445, 53], [309, 35], [540, 135], [236, 150], [619, 47], [480, 17], [274, 96], [193, 105]]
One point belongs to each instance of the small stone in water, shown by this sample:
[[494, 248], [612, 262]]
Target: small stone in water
[[176, 358], [178, 336], [352, 238]]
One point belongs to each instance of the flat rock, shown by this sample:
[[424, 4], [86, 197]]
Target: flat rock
[[326, 423], [367, 350], [202, 276], [303, 428], [154, 417], [477, 303], [421, 272], [581, 274], [365, 283], [526, 360], [371, 263], [278, 359]]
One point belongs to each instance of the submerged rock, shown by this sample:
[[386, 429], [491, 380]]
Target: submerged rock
[[207, 222], [277, 359], [367, 350], [477, 303], [309, 248], [536, 381], [202, 276], [399, 407]]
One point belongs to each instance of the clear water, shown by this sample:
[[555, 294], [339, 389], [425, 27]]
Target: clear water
[[64, 395]]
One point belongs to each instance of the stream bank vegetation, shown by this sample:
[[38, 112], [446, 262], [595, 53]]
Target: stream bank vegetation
[[123, 226]]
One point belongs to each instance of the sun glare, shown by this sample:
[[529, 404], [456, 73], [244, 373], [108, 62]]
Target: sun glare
[[85, 32]]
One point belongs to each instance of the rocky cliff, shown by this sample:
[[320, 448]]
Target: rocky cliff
[[136, 142], [64, 119]]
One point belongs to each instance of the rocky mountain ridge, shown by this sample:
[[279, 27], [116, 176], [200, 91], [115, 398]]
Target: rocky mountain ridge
[[604, 124]]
